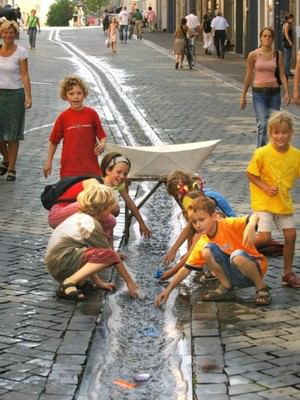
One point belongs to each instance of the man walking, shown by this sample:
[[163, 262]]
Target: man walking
[[193, 23], [219, 26], [123, 21], [151, 19]]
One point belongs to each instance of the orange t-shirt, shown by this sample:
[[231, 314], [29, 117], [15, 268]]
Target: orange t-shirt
[[229, 237]]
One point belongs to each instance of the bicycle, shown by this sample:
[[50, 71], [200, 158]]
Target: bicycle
[[190, 53]]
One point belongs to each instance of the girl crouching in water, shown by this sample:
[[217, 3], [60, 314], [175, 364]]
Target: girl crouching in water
[[115, 169], [78, 247]]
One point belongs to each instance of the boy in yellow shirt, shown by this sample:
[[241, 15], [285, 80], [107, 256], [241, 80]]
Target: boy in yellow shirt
[[227, 248], [272, 172]]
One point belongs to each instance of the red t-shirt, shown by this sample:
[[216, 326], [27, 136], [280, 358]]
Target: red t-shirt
[[79, 131]]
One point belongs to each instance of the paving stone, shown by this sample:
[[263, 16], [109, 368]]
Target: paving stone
[[210, 389], [210, 378], [12, 395], [245, 388]]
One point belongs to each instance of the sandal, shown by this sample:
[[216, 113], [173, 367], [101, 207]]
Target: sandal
[[11, 175], [3, 167], [219, 294], [263, 297], [76, 295], [207, 277]]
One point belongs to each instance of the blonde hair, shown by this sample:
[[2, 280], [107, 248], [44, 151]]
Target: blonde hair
[[280, 117], [95, 199], [202, 203], [5, 25], [69, 82]]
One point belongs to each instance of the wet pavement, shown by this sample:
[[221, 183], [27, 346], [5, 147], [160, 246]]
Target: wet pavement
[[230, 350]]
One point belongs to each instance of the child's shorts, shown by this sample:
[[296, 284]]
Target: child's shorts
[[281, 221], [233, 274]]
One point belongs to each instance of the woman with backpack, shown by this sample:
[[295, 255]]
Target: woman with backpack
[[208, 38]]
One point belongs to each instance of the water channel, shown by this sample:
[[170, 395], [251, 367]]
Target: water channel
[[133, 336]]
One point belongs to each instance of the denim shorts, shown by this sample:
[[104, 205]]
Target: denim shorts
[[236, 278]]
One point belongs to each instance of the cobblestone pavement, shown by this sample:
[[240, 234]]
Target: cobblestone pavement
[[235, 351]]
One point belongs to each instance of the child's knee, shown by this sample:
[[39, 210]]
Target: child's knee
[[210, 251]]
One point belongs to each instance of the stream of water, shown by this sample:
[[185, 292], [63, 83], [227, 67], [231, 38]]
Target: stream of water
[[134, 337]]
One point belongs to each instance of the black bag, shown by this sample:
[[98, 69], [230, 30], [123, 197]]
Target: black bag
[[52, 192], [277, 70]]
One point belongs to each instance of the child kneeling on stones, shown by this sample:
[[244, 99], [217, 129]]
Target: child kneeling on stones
[[227, 247], [78, 247], [184, 188]]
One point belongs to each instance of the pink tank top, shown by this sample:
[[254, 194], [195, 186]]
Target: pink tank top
[[264, 69]]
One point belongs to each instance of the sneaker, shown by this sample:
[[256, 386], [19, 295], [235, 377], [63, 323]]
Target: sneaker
[[291, 279]]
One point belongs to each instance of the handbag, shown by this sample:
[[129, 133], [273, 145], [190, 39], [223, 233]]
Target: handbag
[[107, 43], [277, 70]]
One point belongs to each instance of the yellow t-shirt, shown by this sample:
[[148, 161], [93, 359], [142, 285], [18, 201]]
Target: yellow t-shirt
[[275, 169], [229, 237]]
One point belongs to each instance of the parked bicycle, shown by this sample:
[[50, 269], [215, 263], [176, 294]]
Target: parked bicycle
[[190, 53]]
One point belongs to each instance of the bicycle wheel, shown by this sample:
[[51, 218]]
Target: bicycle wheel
[[189, 56], [193, 55]]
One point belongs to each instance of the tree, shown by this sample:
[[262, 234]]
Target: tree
[[94, 5], [59, 13]]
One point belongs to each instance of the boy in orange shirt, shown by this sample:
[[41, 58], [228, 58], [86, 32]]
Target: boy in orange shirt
[[227, 247]]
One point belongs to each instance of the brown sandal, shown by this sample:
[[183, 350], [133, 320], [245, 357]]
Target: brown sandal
[[221, 293], [263, 297]]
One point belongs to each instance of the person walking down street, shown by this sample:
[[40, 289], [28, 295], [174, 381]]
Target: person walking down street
[[272, 173], [123, 22], [80, 129], [151, 20], [75, 16], [78, 248], [181, 33], [81, 17], [193, 23], [138, 17], [208, 38], [296, 96], [261, 66], [105, 23], [288, 42], [219, 26], [32, 25], [15, 97], [112, 33], [227, 247]]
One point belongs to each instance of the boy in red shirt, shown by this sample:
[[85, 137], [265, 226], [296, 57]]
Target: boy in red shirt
[[81, 131], [227, 247]]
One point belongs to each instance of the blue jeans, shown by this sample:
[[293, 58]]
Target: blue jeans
[[123, 32], [287, 54], [265, 100], [233, 274], [32, 37]]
